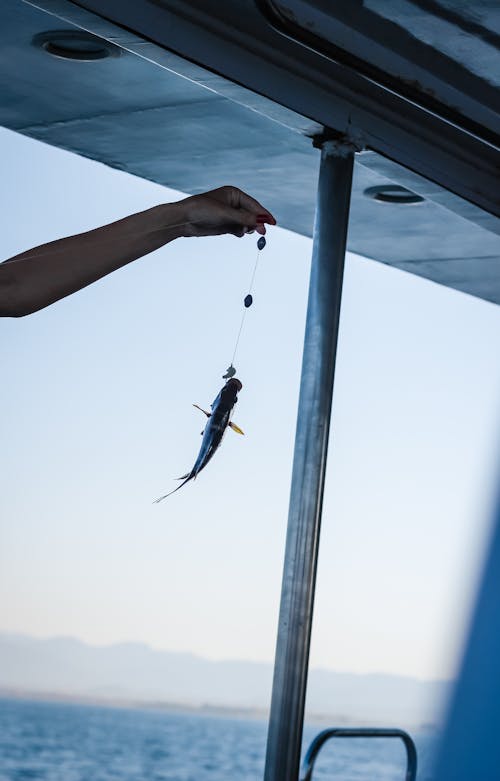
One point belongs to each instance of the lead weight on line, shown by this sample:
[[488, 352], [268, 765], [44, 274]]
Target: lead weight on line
[[261, 243], [230, 372], [248, 301]]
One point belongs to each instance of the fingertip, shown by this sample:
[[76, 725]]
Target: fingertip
[[266, 218]]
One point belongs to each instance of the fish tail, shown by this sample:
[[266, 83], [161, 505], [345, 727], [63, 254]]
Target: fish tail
[[187, 478], [160, 499]]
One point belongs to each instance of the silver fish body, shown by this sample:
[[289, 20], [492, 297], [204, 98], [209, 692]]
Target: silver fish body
[[218, 420]]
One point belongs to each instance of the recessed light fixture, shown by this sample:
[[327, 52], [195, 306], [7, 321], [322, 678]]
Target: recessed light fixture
[[393, 193], [75, 45]]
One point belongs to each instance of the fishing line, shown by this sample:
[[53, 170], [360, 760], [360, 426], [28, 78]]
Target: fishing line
[[247, 302], [86, 236]]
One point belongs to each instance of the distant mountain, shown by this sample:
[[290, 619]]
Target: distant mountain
[[132, 672]]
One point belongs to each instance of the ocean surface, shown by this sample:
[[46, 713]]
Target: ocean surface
[[70, 742]]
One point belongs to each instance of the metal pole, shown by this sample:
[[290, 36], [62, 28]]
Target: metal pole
[[308, 476]]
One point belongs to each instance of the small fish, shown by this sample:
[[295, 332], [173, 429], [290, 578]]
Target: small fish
[[218, 421]]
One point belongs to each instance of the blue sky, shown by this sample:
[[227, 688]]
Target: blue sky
[[97, 421]]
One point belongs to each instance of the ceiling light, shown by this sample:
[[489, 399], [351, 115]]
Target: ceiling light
[[75, 45], [393, 193]]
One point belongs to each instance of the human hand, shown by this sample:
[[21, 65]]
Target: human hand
[[225, 210]]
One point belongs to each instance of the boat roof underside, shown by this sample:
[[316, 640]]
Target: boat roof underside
[[158, 115]]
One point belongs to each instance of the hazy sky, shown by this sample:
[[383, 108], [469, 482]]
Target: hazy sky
[[97, 421]]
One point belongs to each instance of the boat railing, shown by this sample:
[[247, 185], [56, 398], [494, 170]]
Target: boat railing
[[360, 732]]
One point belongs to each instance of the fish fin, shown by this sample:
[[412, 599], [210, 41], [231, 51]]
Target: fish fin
[[236, 428], [202, 410], [161, 498]]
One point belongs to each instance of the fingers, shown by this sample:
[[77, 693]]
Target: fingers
[[225, 219], [237, 199], [244, 217], [225, 210], [253, 206]]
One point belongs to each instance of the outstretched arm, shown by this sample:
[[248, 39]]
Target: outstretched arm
[[39, 277]]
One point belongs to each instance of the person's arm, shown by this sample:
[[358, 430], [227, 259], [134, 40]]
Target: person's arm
[[43, 275]]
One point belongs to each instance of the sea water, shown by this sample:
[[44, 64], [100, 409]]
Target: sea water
[[72, 742]]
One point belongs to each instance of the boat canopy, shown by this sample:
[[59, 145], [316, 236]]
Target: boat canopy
[[204, 93]]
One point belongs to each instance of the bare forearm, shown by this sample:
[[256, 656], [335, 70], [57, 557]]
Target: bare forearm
[[39, 277]]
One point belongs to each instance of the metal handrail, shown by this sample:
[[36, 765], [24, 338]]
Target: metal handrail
[[360, 732]]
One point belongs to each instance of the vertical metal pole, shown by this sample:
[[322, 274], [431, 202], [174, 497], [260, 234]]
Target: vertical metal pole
[[311, 445]]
